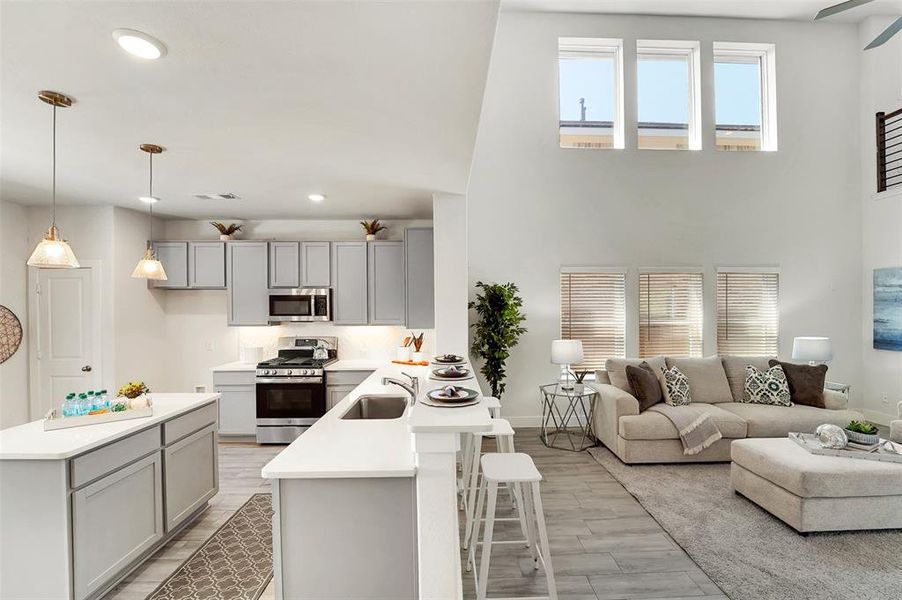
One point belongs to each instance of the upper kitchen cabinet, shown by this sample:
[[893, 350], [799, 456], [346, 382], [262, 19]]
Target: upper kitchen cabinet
[[247, 279], [420, 267], [174, 257], [284, 271], [386, 283], [206, 265], [316, 268], [349, 283]]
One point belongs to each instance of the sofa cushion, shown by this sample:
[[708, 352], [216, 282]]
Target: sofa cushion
[[777, 421], [616, 369], [707, 379], [645, 385], [807, 475], [734, 367], [651, 425], [806, 383]]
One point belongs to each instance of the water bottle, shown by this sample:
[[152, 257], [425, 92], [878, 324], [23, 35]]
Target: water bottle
[[84, 405], [104, 401], [70, 408], [92, 402]]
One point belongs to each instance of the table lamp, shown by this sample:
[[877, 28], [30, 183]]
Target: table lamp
[[566, 353], [812, 349]]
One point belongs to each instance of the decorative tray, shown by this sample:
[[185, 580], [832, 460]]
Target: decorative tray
[[810, 443], [55, 421]]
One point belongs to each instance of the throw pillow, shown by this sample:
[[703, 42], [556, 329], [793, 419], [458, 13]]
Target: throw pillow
[[766, 387], [616, 368], [645, 385], [806, 383], [676, 392]]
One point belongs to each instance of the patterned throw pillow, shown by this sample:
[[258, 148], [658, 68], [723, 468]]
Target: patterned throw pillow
[[676, 387], [766, 387]]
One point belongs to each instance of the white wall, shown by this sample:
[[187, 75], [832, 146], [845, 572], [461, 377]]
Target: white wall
[[881, 90], [449, 214], [14, 251], [533, 207]]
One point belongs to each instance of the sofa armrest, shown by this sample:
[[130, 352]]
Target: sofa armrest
[[895, 431], [834, 400], [611, 404]]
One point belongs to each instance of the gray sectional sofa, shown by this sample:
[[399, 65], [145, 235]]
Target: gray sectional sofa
[[716, 383]]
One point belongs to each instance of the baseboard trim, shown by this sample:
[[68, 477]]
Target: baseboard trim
[[877, 417], [535, 421]]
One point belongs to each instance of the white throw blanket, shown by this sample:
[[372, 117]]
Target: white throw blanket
[[696, 428]]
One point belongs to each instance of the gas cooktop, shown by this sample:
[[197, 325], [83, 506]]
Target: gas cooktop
[[296, 361]]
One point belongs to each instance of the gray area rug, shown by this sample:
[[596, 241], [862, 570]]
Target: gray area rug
[[234, 564], [749, 553]]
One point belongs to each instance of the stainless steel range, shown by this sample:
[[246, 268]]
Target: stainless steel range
[[291, 389]]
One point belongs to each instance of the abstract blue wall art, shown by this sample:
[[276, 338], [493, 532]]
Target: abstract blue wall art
[[888, 309]]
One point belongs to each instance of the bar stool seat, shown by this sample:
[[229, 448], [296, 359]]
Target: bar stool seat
[[514, 467], [493, 404]]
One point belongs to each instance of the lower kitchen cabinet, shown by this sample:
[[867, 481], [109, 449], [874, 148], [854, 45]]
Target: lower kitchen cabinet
[[238, 405], [341, 383], [191, 467], [114, 521]]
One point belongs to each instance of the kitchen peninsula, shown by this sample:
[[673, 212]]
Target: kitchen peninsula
[[82, 507], [386, 522]]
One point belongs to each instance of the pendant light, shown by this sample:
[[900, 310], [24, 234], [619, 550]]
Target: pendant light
[[149, 267], [53, 252]]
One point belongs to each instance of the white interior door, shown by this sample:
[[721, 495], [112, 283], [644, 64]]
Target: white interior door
[[67, 350]]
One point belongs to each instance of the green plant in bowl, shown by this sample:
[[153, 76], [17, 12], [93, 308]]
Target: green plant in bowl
[[862, 427]]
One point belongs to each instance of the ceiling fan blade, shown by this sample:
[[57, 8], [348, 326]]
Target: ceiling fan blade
[[838, 8], [884, 37]]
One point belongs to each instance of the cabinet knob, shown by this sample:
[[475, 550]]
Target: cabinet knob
[[86, 368]]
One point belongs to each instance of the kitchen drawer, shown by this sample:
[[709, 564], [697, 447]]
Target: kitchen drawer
[[178, 428], [90, 466], [346, 377], [234, 377]]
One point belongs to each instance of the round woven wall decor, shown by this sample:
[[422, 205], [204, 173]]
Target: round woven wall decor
[[10, 333]]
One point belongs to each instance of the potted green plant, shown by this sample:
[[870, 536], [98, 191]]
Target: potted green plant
[[862, 432], [579, 377], [372, 228], [226, 233], [497, 329]]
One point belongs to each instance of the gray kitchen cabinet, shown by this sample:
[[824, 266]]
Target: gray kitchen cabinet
[[316, 268], [420, 276], [206, 265], [284, 269], [385, 280], [190, 468], [238, 404], [247, 280], [337, 393], [341, 383], [174, 257], [349, 283], [114, 521]]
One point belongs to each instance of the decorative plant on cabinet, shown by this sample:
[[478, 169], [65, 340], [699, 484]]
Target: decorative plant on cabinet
[[226, 233], [497, 329], [372, 228]]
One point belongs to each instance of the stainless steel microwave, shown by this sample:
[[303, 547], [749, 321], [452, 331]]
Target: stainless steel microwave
[[299, 305]]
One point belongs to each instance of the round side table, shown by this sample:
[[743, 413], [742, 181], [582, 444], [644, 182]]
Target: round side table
[[567, 416]]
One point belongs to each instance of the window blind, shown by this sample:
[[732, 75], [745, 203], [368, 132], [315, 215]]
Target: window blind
[[671, 314], [593, 310], [747, 313]]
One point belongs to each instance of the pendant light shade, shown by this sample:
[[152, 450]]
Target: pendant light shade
[[149, 267], [53, 252]]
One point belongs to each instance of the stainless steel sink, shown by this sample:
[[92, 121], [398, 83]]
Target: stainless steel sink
[[377, 406]]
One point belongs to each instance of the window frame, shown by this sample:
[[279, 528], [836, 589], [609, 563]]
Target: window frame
[[765, 55], [597, 270], [588, 48], [691, 51], [745, 270]]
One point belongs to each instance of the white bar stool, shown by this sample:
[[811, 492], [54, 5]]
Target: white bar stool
[[466, 449], [494, 405], [515, 469]]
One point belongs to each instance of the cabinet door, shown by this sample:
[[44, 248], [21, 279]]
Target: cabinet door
[[114, 521], [174, 257], [190, 467], [246, 275], [386, 283], [237, 410], [284, 270], [349, 275], [337, 393], [206, 265], [316, 271], [420, 275]]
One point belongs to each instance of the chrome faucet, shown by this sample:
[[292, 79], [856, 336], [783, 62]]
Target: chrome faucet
[[412, 388]]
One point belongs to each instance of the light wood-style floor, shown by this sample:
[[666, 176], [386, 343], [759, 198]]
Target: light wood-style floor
[[604, 545]]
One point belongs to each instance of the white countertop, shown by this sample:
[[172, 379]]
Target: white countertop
[[235, 366], [334, 447], [31, 442], [356, 364]]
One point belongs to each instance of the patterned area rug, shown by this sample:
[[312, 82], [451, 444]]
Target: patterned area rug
[[234, 564], [750, 554]]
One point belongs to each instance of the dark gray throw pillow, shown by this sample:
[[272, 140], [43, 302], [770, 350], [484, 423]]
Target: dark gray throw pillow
[[645, 385], [806, 383]]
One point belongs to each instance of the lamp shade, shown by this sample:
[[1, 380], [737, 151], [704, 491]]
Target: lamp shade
[[566, 352], [812, 349]]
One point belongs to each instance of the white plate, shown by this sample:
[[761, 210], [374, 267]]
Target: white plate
[[437, 378], [430, 402]]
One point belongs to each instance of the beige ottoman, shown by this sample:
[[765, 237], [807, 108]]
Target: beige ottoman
[[817, 493]]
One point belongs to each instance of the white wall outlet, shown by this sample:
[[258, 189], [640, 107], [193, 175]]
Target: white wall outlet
[[210, 349], [885, 398]]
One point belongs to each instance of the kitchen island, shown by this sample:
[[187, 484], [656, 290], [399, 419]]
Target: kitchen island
[[367, 508], [82, 507]]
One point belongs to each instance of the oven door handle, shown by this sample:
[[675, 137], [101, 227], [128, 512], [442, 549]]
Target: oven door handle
[[266, 380]]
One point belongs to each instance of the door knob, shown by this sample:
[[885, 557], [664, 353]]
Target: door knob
[[86, 368]]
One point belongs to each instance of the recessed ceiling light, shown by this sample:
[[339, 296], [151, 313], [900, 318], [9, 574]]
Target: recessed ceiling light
[[316, 197], [149, 199], [138, 43]]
